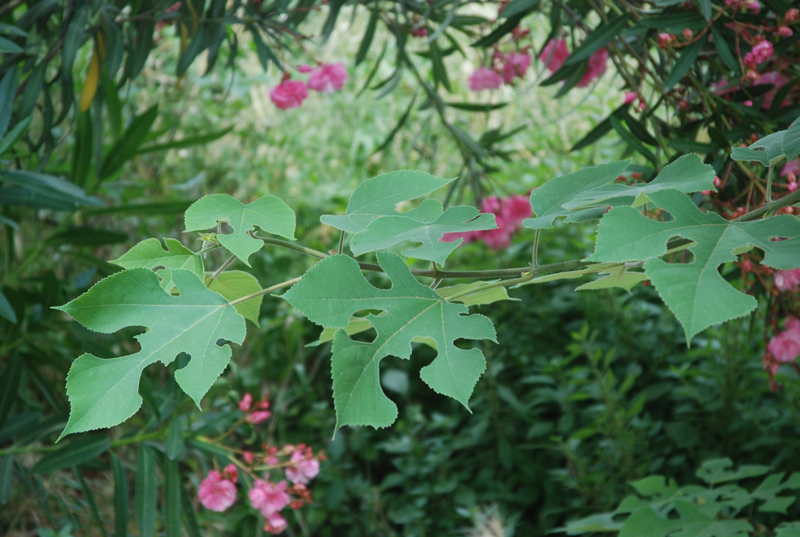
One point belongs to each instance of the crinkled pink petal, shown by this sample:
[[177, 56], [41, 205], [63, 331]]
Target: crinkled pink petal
[[791, 167], [289, 94], [267, 497], [554, 55], [303, 470], [785, 347], [275, 524], [787, 280], [328, 78], [484, 78], [597, 66], [215, 493]]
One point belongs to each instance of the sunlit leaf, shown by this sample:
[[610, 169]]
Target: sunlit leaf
[[333, 290], [104, 392], [269, 213]]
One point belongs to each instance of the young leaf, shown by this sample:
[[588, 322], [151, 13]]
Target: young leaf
[[686, 174], [377, 197], [684, 63], [695, 292], [236, 284], [549, 199], [150, 254], [104, 392], [332, 291], [617, 276], [269, 213], [426, 225]]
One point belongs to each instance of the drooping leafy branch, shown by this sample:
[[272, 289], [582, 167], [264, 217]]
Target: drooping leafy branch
[[189, 311]]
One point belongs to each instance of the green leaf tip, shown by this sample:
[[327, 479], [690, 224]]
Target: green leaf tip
[[268, 213], [695, 292], [104, 392], [335, 289]]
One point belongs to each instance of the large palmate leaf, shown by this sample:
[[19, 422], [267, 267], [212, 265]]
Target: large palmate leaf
[[150, 254], [686, 174], [104, 392], [377, 198], [333, 290], [269, 213], [583, 195], [548, 200], [691, 523], [695, 292], [424, 225]]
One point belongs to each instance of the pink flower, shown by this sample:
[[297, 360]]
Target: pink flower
[[275, 524], [773, 78], [722, 86], [304, 467], [665, 40], [509, 214], [753, 5], [787, 280], [785, 347], [791, 15], [269, 498], [246, 402], [305, 68], [258, 416], [785, 31], [231, 472], [484, 78], [248, 457], [748, 103], [289, 94], [760, 53], [791, 167], [597, 66], [216, 493], [328, 78], [630, 96], [514, 65], [554, 54]]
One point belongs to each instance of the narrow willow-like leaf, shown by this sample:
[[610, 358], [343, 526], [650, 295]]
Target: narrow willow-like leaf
[[332, 291], [6, 477], [76, 452], [268, 213], [104, 392], [175, 448], [695, 292], [120, 498], [9, 385], [172, 500], [146, 491]]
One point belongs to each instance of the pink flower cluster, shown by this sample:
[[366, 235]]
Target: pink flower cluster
[[555, 53], [762, 52], [299, 464], [507, 67], [787, 280], [784, 347], [509, 213], [255, 413], [327, 78]]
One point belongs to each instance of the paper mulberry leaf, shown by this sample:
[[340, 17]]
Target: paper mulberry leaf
[[377, 198], [767, 151], [268, 213], [548, 200], [686, 174], [425, 225], [150, 254], [235, 284], [691, 523], [333, 290], [695, 292], [103, 392]]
